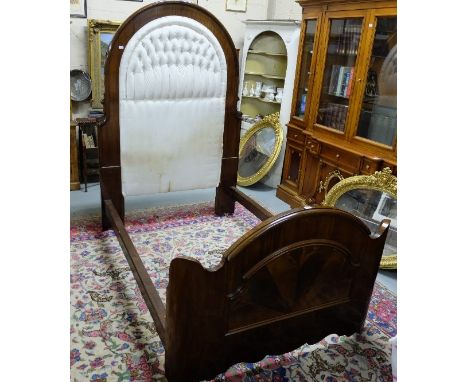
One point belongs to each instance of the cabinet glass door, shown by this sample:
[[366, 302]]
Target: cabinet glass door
[[378, 114], [304, 73], [339, 71]]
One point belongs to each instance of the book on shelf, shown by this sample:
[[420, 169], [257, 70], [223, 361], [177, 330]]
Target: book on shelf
[[333, 79], [334, 116], [344, 82], [95, 114], [349, 84], [344, 39], [340, 81]]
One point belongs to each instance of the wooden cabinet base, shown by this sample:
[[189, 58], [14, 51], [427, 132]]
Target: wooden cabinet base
[[74, 186], [319, 168], [74, 173], [289, 196]]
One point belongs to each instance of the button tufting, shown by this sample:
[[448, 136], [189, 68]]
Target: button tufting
[[173, 56]]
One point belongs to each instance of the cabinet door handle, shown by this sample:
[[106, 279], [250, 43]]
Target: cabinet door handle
[[367, 167], [337, 155], [295, 135]]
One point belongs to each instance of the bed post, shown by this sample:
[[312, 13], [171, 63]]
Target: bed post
[[224, 202], [109, 149], [111, 189]]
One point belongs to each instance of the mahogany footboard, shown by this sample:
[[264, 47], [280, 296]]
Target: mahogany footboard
[[295, 278]]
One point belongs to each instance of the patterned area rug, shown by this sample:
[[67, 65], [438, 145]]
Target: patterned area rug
[[112, 334]]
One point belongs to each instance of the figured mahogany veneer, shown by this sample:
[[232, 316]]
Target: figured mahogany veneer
[[294, 278]]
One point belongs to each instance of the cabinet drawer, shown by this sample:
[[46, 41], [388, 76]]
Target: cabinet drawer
[[369, 166], [341, 158], [296, 135], [312, 145]]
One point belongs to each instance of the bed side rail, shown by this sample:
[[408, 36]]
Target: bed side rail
[[259, 211], [152, 299]]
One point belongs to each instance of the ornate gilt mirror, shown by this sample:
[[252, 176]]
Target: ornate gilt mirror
[[100, 34], [259, 149], [372, 198]]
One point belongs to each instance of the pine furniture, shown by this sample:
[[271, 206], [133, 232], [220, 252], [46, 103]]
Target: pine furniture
[[344, 106]]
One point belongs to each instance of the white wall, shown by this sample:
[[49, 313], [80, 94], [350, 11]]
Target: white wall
[[118, 10], [284, 9]]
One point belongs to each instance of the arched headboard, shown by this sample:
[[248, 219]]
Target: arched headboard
[[171, 80]]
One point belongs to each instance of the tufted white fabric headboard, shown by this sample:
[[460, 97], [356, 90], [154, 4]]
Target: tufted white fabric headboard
[[172, 90]]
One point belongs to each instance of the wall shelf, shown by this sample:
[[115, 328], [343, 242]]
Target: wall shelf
[[267, 53], [262, 99], [265, 75]]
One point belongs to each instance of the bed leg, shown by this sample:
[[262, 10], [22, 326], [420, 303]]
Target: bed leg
[[104, 220], [224, 203]]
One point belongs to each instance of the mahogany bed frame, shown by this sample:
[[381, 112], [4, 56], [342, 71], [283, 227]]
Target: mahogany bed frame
[[294, 278]]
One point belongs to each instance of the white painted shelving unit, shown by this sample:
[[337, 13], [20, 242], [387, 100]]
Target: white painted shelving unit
[[269, 56]]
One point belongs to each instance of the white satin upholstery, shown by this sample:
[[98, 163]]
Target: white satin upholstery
[[172, 88]]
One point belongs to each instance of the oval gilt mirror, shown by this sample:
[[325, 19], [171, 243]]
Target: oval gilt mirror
[[259, 149], [372, 198]]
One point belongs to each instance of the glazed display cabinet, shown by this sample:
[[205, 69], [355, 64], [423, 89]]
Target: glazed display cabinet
[[344, 107]]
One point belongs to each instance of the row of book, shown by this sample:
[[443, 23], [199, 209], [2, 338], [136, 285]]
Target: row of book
[[344, 38], [340, 81], [333, 115]]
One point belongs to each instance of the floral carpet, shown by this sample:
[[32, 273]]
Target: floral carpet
[[112, 335]]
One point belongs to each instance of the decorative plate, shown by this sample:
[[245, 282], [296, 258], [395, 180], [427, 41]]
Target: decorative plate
[[80, 85]]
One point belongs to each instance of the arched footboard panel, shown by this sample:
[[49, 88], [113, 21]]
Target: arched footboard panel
[[293, 279]]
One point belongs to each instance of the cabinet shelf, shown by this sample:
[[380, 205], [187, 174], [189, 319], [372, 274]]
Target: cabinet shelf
[[265, 53], [338, 96], [265, 75], [342, 54]]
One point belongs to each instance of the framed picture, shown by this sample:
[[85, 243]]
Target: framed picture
[[100, 34], [78, 8], [236, 5]]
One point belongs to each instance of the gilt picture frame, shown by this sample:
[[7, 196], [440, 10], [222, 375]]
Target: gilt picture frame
[[381, 181], [236, 5], [100, 34], [250, 142]]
